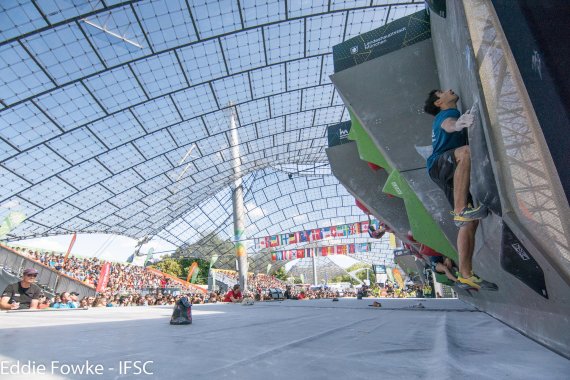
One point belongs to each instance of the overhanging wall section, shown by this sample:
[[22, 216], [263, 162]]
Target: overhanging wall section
[[385, 97], [523, 247], [366, 185]]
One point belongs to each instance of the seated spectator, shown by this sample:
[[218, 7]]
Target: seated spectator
[[74, 297], [444, 265], [115, 301], [124, 301], [234, 295], [24, 294], [84, 302], [56, 299], [213, 298], [376, 233], [99, 302], [43, 302], [65, 302]]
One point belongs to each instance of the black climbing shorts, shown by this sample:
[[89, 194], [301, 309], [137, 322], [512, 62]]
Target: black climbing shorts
[[442, 174]]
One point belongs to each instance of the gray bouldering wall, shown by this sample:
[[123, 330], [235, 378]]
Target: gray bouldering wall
[[523, 246], [519, 249]]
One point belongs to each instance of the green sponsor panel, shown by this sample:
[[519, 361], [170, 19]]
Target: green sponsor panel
[[391, 187], [393, 36], [424, 228], [442, 279], [366, 148]]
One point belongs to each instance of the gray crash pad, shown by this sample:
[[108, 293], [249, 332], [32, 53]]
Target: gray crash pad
[[313, 339]]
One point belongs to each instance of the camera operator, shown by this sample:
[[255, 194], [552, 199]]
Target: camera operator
[[23, 294]]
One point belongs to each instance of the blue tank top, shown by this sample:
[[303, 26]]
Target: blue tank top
[[441, 140]]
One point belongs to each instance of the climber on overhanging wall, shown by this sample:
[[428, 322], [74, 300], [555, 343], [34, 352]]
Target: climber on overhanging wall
[[449, 166]]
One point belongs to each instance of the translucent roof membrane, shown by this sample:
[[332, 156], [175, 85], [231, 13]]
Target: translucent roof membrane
[[115, 115]]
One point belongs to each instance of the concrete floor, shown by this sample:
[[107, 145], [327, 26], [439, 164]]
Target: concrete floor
[[317, 339]]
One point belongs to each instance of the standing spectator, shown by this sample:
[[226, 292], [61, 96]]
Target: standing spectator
[[24, 294]]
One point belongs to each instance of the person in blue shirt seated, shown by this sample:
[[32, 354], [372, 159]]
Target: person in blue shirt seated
[[449, 166], [65, 303], [376, 233]]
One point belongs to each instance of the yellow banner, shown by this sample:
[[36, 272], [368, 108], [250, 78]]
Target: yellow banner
[[398, 277], [392, 241]]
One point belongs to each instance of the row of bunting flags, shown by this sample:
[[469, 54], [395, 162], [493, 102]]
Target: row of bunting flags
[[320, 251], [316, 234]]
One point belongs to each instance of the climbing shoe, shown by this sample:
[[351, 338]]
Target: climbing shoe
[[469, 214], [475, 282]]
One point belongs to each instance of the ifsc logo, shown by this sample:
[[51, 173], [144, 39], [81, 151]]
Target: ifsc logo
[[354, 50]]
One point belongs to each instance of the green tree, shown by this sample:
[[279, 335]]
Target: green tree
[[203, 266], [170, 266], [206, 247], [343, 278], [281, 274], [362, 274], [179, 267], [201, 251]]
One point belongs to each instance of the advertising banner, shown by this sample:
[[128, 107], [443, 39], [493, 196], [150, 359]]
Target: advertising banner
[[393, 36], [338, 133], [103, 277], [379, 269]]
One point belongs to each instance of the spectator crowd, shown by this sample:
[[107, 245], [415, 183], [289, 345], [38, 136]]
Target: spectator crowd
[[131, 285], [123, 278]]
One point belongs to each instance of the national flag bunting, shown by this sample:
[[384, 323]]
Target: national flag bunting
[[342, 230]]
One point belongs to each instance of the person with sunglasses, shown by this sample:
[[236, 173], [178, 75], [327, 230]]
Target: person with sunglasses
[[23, 294]]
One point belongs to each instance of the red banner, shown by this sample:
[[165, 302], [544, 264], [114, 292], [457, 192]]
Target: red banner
[[103, 277]]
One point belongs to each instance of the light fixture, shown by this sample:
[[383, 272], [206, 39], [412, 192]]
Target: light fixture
[[104, 29]]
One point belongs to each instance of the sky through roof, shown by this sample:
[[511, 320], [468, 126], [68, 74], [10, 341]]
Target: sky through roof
[[101, 100]]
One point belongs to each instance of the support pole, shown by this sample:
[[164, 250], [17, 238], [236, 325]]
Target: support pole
[[237, 203], [315, 267]]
